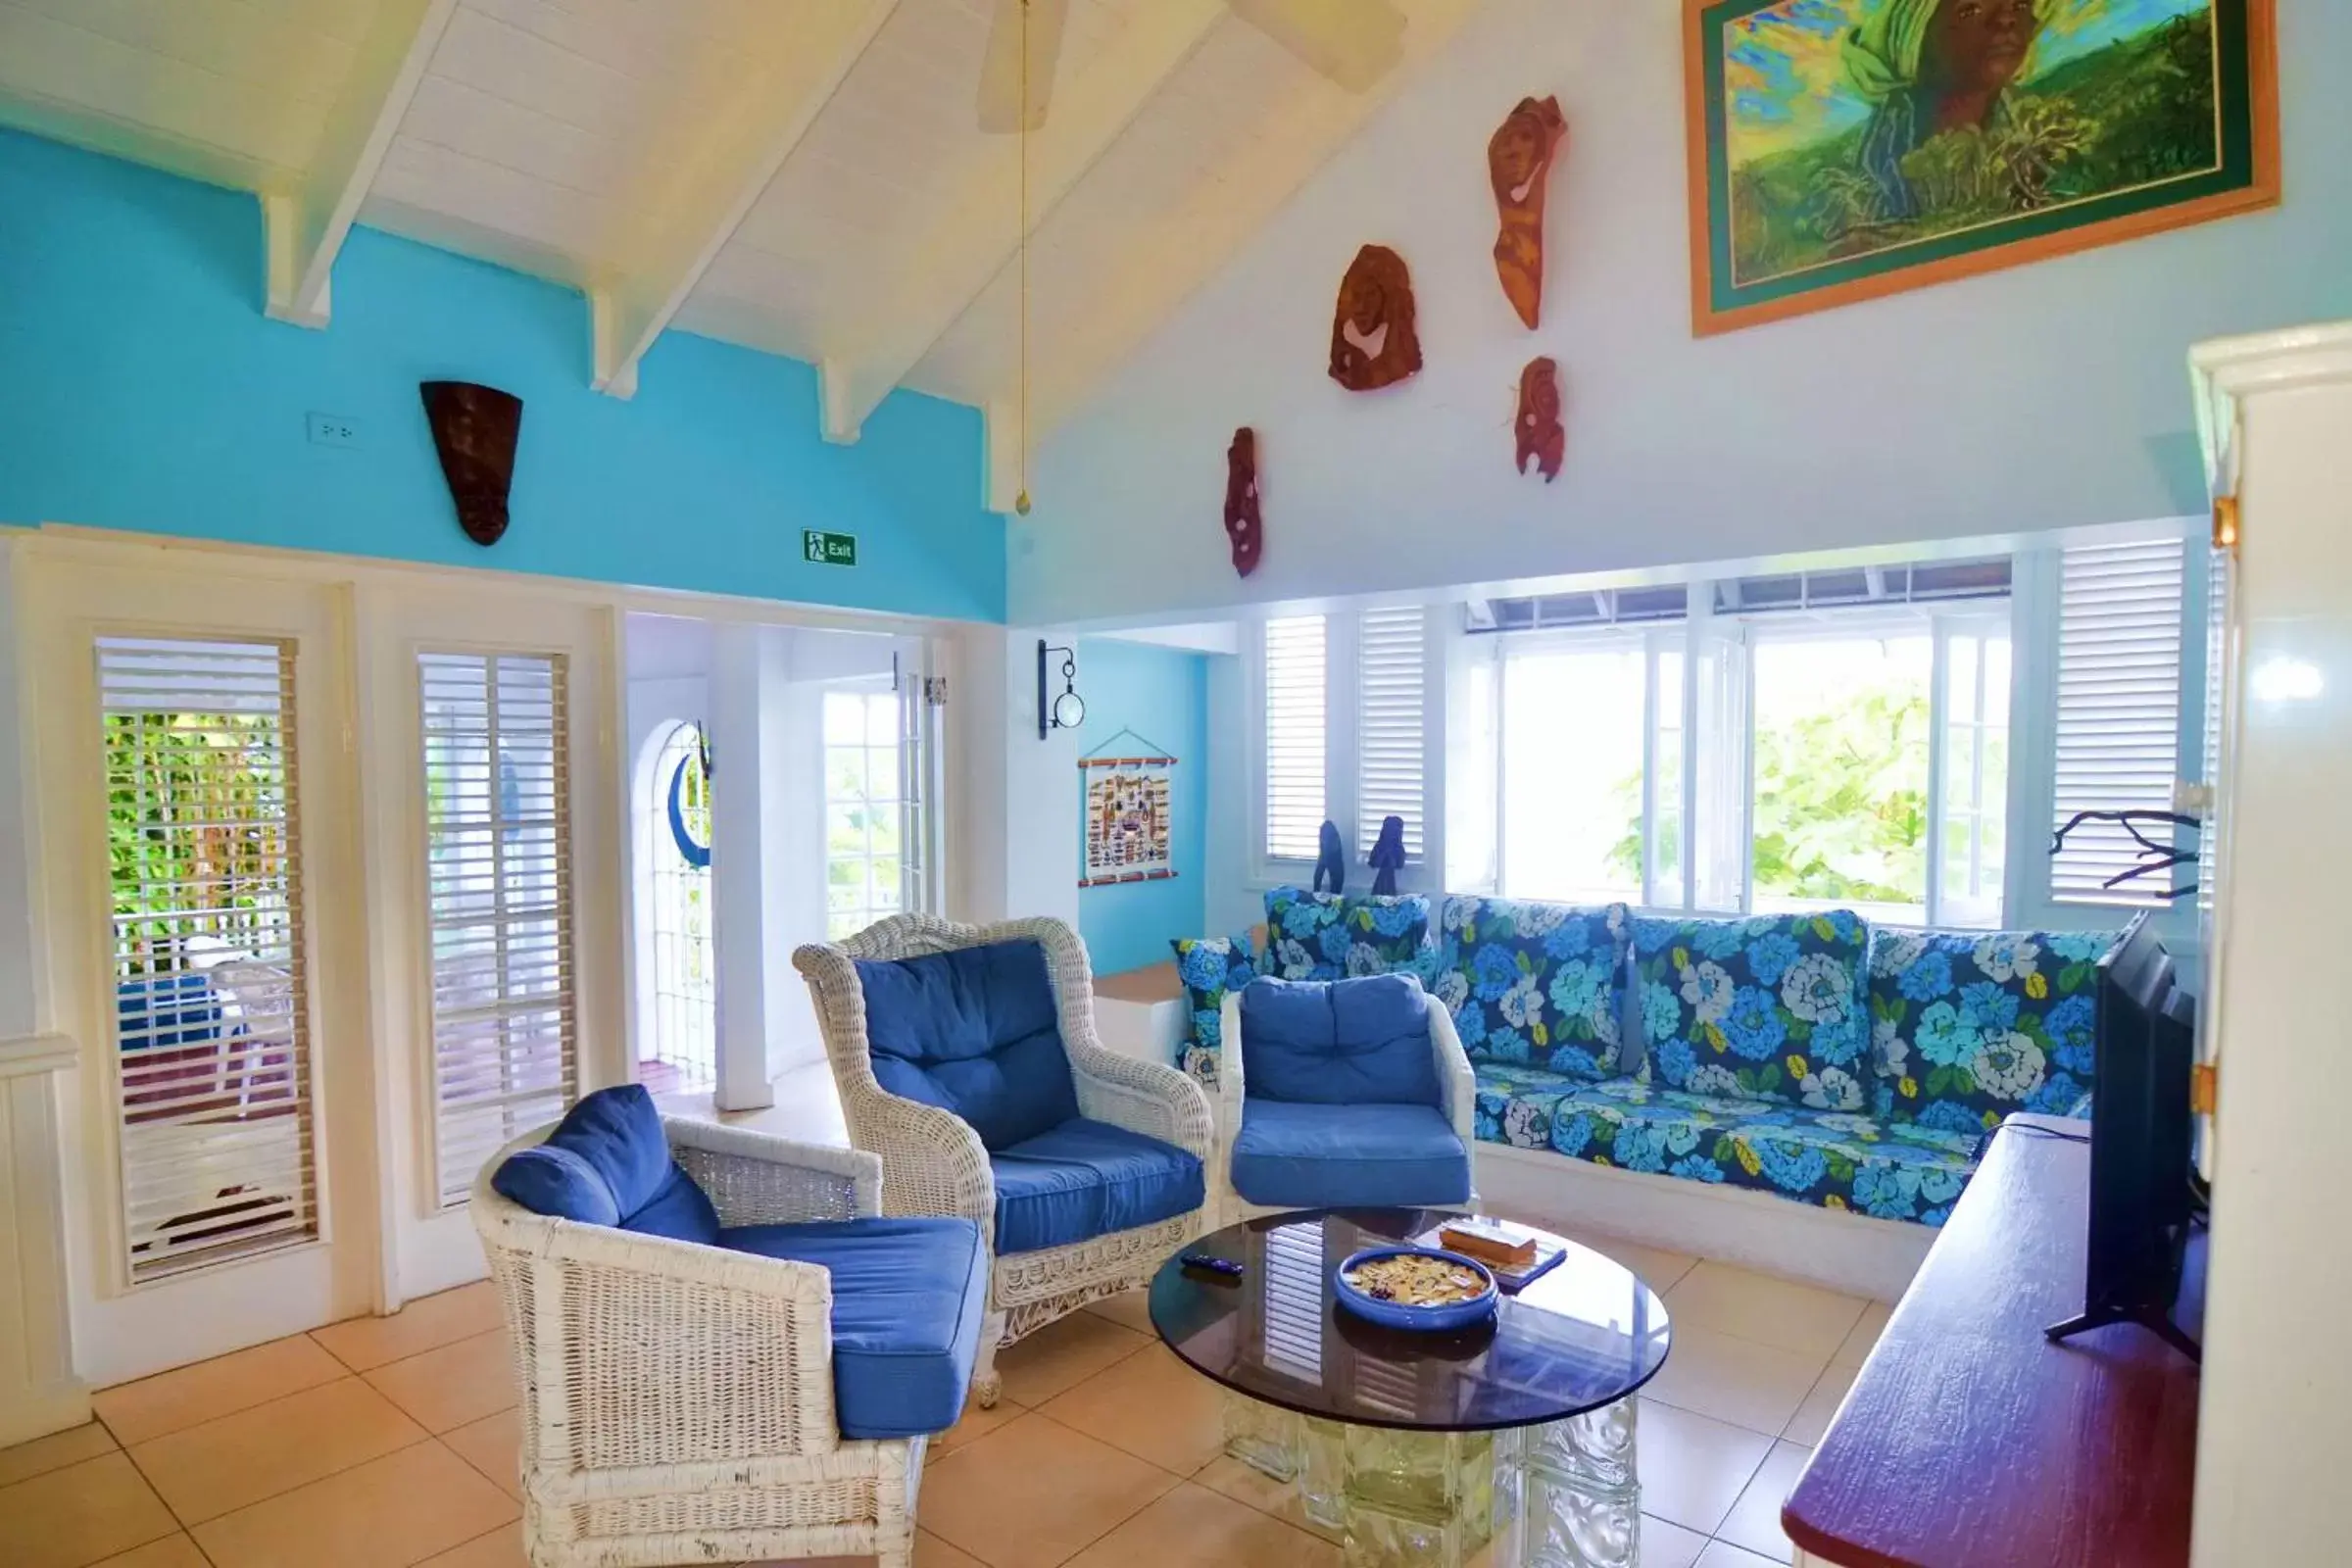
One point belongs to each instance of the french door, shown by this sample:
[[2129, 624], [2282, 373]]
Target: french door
[[203, 910], [493, 832]]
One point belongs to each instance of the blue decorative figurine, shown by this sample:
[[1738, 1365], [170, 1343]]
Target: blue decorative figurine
[[1331, 863], [1387, 857]]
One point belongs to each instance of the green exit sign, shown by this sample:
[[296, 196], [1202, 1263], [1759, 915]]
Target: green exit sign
[[829, 548]]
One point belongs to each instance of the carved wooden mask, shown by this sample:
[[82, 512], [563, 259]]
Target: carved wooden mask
[[475, 430], [1373, 342], [1519, 163], [1243, 523], [1540, 436]]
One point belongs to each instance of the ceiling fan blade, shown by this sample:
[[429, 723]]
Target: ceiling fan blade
[[1001, 109], [1354, 43]]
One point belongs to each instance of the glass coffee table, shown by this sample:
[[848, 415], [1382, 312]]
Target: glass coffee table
[[1419, 1448]]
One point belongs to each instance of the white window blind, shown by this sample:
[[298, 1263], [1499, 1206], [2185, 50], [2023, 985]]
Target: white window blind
[[1295, 736], [497, 873], [212, 1025], [1391, 738], [2119, 709]]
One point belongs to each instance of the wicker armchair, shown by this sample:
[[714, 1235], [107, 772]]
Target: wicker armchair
[[1458, 1101], [932, 1162], [677, 1400]]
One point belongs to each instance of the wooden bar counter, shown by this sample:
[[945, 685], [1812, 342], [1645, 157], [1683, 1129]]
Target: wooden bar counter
[[1971, 1442]]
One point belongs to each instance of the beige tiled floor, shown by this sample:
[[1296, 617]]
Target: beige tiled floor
[[383, 1443]]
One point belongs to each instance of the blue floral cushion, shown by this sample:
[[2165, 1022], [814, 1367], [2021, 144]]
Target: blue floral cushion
[[1533, 985], [1209, 966], [1967, 1027], [1322, 936], [1765, 1008], [1833, 1160]]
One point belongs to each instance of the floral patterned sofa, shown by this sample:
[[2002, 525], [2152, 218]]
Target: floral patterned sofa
[[1805, 1056]]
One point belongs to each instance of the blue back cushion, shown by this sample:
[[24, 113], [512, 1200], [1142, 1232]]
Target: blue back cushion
[[1361, 1042], [1762, 1008], [619, 1133], [557, 1183], [167, 1009], [973, 1031], [1322, 936], [607, 1163]]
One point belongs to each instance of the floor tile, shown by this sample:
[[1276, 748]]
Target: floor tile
[[1034, 1494], [444, 1389], [425, 1324], [1812, 1419], [55, 1452], [1196, 1528], [1668, 1545], [500, 1548], [171, 1401], [365, 1517], [494, 1447], [1659, 1268], [1722, 1554], [1756, 1307], [1740, 1381], [80, 1514], [1259, 1490], [1132, 1310], [172, 1551], [976, 1423], [1062, 1355], [1754, 1522], [1864, 1336], [1693, 1468], [206, 1471], [1151, 1406]]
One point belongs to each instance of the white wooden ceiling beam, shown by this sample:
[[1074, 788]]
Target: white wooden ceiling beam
[[305, 225], [888, 334], [1168, 258], [701, 186]]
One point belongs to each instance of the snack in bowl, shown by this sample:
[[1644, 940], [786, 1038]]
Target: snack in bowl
[[1409, 1279]]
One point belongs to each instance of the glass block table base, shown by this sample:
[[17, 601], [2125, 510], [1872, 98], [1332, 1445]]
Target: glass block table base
[[1566, 1495]]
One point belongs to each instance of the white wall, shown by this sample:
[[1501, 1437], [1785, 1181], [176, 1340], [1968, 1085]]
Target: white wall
[[2038, 397]]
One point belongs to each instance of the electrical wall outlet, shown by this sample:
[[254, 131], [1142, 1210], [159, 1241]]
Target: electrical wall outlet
[[334, 430]]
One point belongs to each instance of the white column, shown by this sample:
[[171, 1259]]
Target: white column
[[751, 669], [1016, 797]]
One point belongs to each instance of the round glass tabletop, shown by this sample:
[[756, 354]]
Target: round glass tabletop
[[1582, 1335]]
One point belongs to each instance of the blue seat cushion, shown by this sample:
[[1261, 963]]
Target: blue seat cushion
[[1085, 1179], [973, 1031], [1291, 1155], [908, 1298], [678, 1210], [1338, 1042], [557, 1183], [1832, 1158]]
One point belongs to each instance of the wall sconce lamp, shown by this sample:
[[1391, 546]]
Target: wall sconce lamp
[[1068, 710]]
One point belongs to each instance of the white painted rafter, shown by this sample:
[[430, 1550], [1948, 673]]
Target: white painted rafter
[[307, 223], [703, 188], [1168, 258], [914, 305]]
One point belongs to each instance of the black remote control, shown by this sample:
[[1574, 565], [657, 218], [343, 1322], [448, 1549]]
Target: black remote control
[[1224, 1269]]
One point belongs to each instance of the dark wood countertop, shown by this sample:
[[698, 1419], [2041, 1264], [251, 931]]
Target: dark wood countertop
[[1971, 1442]]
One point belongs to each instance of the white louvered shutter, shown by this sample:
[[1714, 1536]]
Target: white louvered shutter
[[210, 998], [1292, 1288], [1295, 703], [1391, 739], [498, 830], [2118, 712]]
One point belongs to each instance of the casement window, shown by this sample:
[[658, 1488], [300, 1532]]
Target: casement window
[[864, 809], [2118, 727], [1349, 711], [498, 836], [211, 1003]]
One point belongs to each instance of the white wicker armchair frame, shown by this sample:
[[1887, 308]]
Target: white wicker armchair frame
[[934, 1163], [1457, 1097], [677, 1400]]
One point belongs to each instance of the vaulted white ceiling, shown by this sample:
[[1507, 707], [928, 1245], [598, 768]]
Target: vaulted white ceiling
[[804, 177]]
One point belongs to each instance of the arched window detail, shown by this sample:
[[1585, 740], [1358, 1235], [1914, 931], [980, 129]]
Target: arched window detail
[[682, 1056]]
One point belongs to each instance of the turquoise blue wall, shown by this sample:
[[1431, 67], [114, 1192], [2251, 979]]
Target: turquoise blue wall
[[147, 391], [1162, 695]]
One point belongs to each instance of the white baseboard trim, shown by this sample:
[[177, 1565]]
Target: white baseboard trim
[[37, 1412], [1840, 1251]]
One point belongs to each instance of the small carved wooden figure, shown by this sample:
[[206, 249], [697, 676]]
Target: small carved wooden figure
[[475, 430], [1243, 523], [1540, 436], [1519, 163], [1373, 343]]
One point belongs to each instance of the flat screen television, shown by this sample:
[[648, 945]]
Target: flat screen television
[[2142, 1156]]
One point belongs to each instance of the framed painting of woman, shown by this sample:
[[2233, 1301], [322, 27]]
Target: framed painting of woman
[[1841, 150]]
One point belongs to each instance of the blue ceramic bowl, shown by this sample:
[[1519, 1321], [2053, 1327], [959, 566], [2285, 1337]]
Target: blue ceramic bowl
[[1428, 1319]]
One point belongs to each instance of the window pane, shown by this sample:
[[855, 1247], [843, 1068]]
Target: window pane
[[1294, 730], [1666, 865], [1975, 777], [1572, 772], [1841, 808]]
